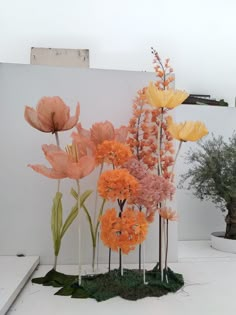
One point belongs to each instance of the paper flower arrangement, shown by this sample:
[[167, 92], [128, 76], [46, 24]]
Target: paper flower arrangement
[[136, 173]]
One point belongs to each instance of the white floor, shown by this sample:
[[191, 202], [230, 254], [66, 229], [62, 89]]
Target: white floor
[[14, 274], [210, 289]]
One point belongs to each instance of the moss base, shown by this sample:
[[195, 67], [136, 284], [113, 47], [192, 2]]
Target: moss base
[[102, 287]]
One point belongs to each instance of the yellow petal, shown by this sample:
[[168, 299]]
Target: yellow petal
[[187, 131], [164, 98]]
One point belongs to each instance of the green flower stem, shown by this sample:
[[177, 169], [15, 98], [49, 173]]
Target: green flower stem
[[94, 229], [95, 221], [96, 198], [96, 243], [55, 263]]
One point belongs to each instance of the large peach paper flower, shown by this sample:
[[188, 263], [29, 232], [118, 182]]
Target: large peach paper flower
[[69, 164], [100, 132], [164, 98], [51, 115], [187, 131]]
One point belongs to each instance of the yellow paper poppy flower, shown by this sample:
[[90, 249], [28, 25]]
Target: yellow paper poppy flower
[[187, 131], [164, 98]]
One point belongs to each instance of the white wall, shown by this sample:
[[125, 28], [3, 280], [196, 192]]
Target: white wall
[[198, 36]]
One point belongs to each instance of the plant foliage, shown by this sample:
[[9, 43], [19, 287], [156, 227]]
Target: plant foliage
[[212, 174]]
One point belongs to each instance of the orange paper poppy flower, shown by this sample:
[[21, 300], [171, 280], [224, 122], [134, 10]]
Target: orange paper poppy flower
[[164, 98], [71, 164], [117, 184], [123, 232], [51, 115], [187, 131], [112, 152]]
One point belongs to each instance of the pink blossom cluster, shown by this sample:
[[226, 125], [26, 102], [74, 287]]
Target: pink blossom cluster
[[136, 168], [153, 190]]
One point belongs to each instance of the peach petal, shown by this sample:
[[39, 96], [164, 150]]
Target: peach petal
[[59, 160], [81, 169], [48, 172], [53, 112], [102, 131], [31, 117], [121, 134], [72, 121], [50, 148]]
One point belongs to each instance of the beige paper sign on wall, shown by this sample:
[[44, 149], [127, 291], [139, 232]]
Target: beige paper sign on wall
[[60, 57]]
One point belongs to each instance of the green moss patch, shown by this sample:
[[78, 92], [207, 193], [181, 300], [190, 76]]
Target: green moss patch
[[104, 286]]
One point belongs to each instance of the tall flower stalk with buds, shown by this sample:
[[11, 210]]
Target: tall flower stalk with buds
[[151, 133]]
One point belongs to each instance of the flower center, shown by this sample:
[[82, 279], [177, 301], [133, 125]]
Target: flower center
[[72, 151]]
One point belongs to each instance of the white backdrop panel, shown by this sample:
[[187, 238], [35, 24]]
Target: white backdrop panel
[[26, 197]]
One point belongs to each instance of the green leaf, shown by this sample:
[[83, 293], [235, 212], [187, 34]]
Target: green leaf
[[80, 293], [66, 291], [74, 211], [98, 219], [90, 224], [74, 193], [83, 196], [56, 222], [71, 217]]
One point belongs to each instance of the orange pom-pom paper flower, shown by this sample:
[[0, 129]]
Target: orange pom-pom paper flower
[[117, 184], [123, 232], [112, 152]]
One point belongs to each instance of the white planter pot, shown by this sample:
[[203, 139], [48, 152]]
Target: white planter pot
[[223, 244]]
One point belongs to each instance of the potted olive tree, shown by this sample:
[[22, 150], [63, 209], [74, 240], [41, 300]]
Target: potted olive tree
[[212, 176]]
